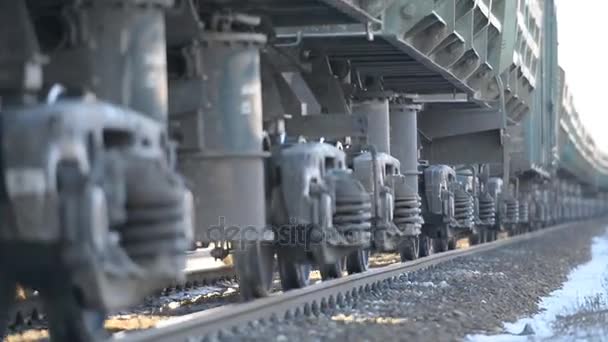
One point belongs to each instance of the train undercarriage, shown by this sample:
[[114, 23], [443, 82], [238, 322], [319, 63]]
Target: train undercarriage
[[131, 129]]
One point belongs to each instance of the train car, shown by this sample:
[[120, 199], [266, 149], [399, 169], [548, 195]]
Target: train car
[[464, 86], [93, 214], [292, 134]]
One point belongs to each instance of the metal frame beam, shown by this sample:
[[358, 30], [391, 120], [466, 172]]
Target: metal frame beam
[[481, 147], [453, 122], [327, 125]]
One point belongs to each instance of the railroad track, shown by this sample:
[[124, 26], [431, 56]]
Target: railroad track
[[200, 270], [27, 311], [311, 300]]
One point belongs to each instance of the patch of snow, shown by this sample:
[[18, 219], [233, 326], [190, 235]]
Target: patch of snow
[[463, 273], [474, 274], [190, 294], [497, 338], [428, 284], [583, 282]]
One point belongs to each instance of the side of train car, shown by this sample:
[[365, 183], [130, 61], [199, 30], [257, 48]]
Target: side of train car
[[310, 133]]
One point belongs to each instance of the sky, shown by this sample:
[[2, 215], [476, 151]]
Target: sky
[[583, 53]]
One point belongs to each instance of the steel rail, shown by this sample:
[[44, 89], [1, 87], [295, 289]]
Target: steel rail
[[206, 276], [311, 299], [31, 308]]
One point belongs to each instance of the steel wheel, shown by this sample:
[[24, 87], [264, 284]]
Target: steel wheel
[[491, 235], [357, 261], [487, 233], [7, 300], [294, 274], [477, 239], [409, 248], [427, 246], [451, 244], [442, 244], [69, 321], [483, 235], [254, 265], [332, 271]]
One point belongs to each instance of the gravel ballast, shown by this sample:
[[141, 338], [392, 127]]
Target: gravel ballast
[[473, 294]]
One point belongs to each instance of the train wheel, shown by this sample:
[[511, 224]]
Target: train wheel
[[294, 274], [427, 246], [409, 249], [7, 300], [474, 239], [442, 244], [332, 271], [485, 234], [357, 261], [69, 321], [478, 238], [451, 244], [254, 266], [491, 235], [442, 241]]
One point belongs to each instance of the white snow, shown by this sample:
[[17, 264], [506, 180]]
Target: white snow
[[585, 281]]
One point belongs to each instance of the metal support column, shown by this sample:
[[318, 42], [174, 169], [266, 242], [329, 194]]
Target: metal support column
[[378, 130], [121, 55], [20, 58], [404, 139], [215, 107], [216, 112]]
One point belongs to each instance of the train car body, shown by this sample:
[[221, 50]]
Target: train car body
[[310, 132]]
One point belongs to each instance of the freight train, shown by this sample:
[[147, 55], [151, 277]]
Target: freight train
[[292, 134]]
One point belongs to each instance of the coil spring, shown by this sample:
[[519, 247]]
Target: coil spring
[[464, 208], [152, 229], [523, 212], [487, 210], [407, 211], [157, 208], [512, 214], [353, 215]]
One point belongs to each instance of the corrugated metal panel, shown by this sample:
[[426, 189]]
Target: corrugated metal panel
[[434, 46], [464, 39], [450, 46], [400, 72], [522, 75], [529, 81], [577, 151]]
